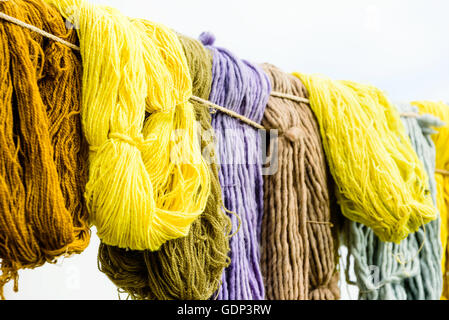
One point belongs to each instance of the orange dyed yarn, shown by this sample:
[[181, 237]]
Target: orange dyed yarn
[[42, 152]]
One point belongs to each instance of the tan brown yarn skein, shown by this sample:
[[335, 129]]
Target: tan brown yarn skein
[[42, 152], [187, 268], [298, 255]]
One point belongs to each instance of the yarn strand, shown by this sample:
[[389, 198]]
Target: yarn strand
[[243, 87], [43, 161], [298, 246], [441, 110], [380, 180], [187, 268], [147, 179], [411, 269]]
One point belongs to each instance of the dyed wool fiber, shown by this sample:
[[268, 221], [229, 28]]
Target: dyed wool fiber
[[188, 268], [244, 88], [147, 179], [43, 155], [380, 181], [298, 246], [412, 269], [441, 138]]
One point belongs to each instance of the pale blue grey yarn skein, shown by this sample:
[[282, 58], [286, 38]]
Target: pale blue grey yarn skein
[[412, 269]]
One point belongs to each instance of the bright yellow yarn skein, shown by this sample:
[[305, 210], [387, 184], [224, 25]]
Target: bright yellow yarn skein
[[380, 181], [147, 180], [441, 140]]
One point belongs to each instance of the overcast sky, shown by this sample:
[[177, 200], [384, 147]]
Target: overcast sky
[[401, 46]]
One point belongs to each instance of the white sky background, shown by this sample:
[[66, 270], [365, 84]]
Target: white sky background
[[400, 46]]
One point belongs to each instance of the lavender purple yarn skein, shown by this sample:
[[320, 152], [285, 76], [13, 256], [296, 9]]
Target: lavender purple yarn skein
[[244, 88]]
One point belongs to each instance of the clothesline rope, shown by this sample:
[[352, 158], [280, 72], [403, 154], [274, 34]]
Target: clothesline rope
[[289, 96], [228, 112], [40, 31], [409, 114], [194, 98], [443, 172]]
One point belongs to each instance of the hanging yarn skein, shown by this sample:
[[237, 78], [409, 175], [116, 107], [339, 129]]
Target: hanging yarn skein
[[147, 179], [412, 269], [380, 181], [43, 157], [188, 268], [441, 138], [299, 255], [244, 88]]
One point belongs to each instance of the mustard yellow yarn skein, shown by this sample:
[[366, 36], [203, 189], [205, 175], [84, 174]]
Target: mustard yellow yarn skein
[[147, 181], [441, 140], [380, 181]]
